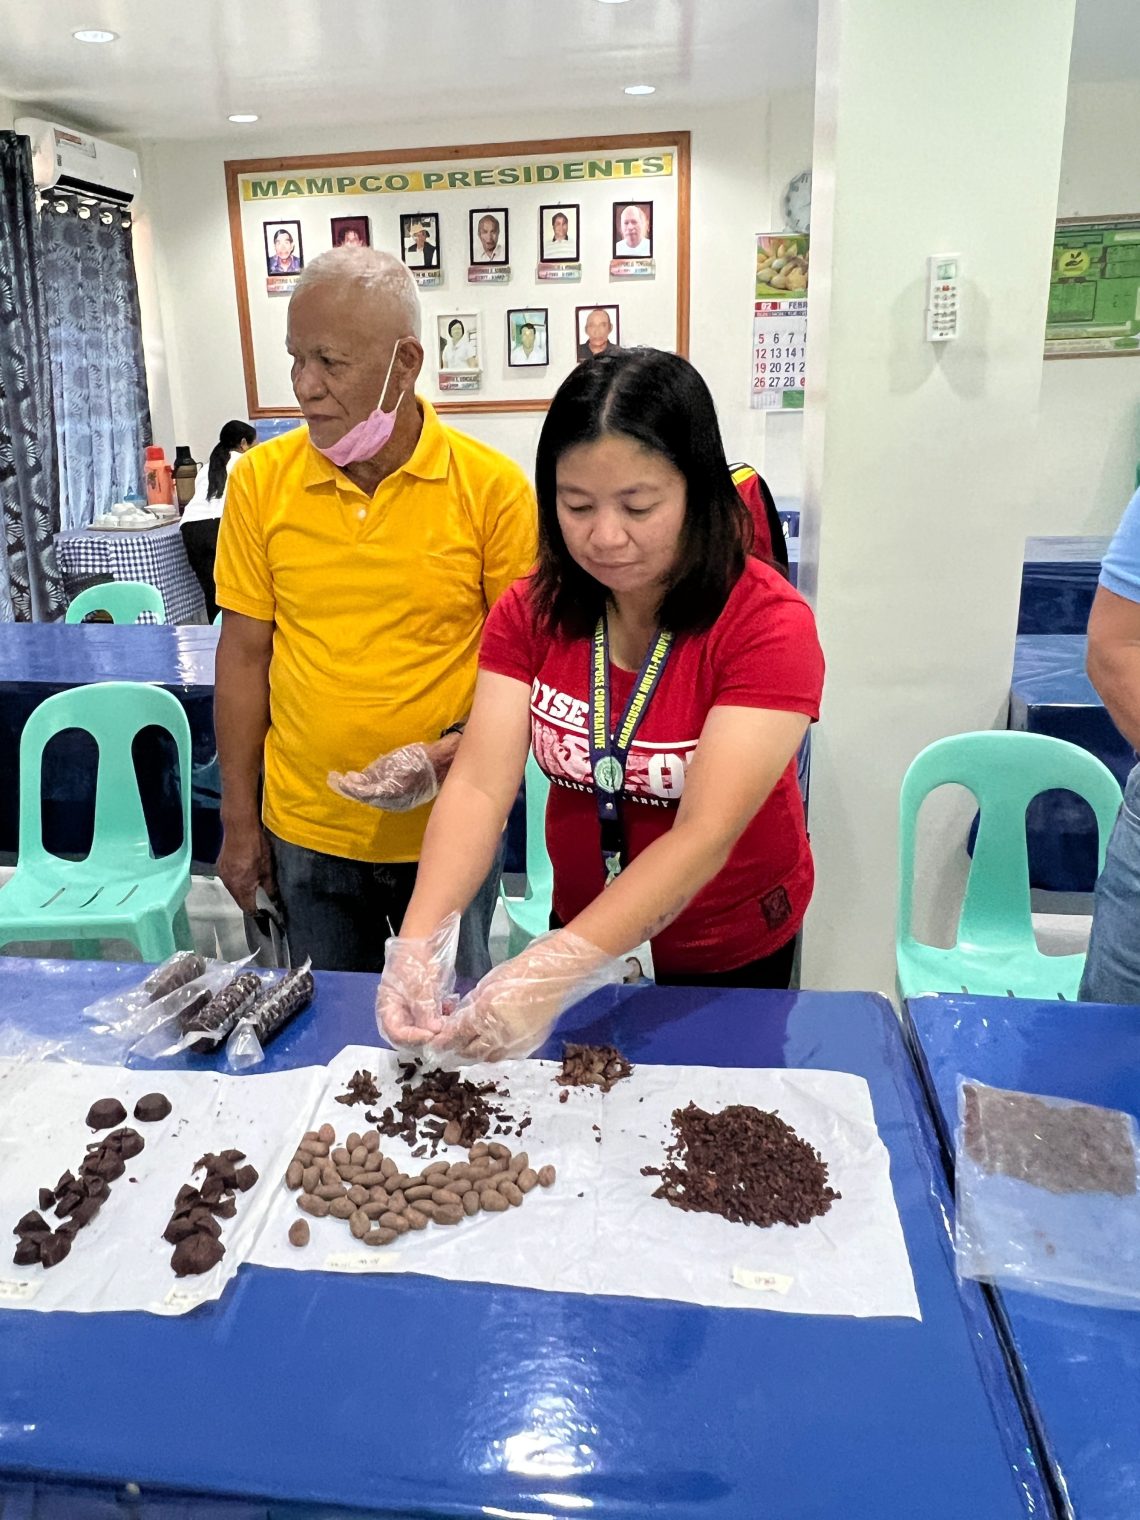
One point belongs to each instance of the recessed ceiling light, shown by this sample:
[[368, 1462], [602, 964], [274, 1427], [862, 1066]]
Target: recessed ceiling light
[[94, 34], [243, 116], [640, 89], [613, 2]]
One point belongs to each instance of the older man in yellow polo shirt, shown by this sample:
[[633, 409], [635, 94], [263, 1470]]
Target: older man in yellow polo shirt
[[357, 561]]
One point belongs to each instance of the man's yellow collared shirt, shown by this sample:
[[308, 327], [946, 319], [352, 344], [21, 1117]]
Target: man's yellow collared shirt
[[378, 604]]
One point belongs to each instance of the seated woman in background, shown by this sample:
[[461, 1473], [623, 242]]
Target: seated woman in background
[[203, 513], [665, 679]]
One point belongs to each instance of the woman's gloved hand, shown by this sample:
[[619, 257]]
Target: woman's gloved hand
[[417, 986], [516, 1005], [403, 779]]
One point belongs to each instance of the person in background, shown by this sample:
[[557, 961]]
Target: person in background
[[358, 559], [420, 251], [599, 325], [349, 238], [202, 516], [557, 245], [459, 352], [1112, 970], [284, 260], [635, 242], [529, 347], [489, 251], [664, 678]]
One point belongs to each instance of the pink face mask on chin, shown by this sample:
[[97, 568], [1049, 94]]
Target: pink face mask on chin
[[367, 438]]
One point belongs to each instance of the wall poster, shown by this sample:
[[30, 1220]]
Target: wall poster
[[1094, 289]]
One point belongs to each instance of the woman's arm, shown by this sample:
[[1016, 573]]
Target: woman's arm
[[742, 753], [468, 817]]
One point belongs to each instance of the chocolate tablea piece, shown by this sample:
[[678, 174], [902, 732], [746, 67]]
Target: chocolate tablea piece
[[27, 1252], [32, 1224], [204, 1222], [65, 1181], [178, 1229], [105, 1114], [47, 1198], [126, 1142], [234, 1156], [195, 1254], [226, 1209], [246, 1177], [151, 1107], [54, 1248]]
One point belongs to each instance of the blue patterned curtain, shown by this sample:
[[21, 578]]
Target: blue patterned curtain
[[102, 414], [30, 586]]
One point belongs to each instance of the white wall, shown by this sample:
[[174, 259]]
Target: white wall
[[1089, 440], [183, 250]]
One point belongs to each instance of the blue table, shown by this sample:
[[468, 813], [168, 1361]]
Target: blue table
[[1058, 583], [487, 1400], [1051, 694], [1081, 1366], [39, 659]]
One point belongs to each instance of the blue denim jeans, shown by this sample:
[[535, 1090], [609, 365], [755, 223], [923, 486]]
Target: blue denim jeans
[[1112, 970], [339, 912]]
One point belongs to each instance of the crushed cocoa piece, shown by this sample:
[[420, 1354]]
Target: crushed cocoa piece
[[745, 1164], [361, 1089], [431, 1102], [592, 1066]]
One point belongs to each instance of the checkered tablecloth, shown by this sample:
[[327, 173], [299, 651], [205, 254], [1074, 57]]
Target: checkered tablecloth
[[156, 556]]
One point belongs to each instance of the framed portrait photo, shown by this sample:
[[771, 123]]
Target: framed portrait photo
[[283, 252], [458, 339], [558, 234], [597, 330], [489, 236], [419, 240], [350, 232], [527, 343], [633, 229]]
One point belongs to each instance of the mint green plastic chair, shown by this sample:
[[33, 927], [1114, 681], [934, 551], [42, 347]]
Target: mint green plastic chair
[[124, 601], [120, 891], [996, 953], [529, 915]]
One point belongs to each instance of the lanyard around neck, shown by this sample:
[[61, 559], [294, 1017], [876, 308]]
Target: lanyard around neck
[[609, 753]]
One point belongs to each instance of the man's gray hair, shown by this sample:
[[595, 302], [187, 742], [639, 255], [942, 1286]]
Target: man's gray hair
[[373, 270]]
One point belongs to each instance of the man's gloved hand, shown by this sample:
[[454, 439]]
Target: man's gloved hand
[[405, 778], [417, 986], [516, 1005]]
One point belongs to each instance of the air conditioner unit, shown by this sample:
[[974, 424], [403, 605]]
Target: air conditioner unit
[[64, 159]]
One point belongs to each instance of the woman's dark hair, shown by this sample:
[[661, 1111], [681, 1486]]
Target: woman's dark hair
[[231, 437], [659, 401], [455, 322]]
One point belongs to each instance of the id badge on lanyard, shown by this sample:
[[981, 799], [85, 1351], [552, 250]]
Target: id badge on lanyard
[[610, 752]]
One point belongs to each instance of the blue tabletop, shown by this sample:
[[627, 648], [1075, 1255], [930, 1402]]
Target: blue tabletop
[[1081, 1365], [487, 1400], [1058, 583], [59, 655]]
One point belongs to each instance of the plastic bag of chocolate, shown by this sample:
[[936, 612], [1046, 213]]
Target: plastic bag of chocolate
[[180, 969], [206, 1022], [136, 1034], [1047, 1196], [286, 997]]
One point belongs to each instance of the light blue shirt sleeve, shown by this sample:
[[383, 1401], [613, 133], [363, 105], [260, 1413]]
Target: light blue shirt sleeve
[[1120, 568]]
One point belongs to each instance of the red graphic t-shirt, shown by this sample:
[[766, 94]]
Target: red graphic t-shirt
[[761, 652]]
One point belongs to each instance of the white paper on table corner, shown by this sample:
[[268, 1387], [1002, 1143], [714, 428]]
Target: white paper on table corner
[[120, 1261], [599, 1230]]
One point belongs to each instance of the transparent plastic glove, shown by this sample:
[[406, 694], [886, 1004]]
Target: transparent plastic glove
[[417, 986], [516, 1005], [399, 781]]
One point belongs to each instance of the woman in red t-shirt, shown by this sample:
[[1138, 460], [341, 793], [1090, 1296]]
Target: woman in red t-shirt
[[665, 680]]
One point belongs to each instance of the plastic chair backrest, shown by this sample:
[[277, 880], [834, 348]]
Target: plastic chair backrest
[[124, 601], [1005, 770], [113, 712], [539, 871]]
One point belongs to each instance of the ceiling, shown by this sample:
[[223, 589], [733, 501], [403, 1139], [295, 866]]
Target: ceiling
[[179, 70]]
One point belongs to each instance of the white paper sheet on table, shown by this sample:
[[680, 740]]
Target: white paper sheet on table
[[600, 1230], [120, 1261]]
